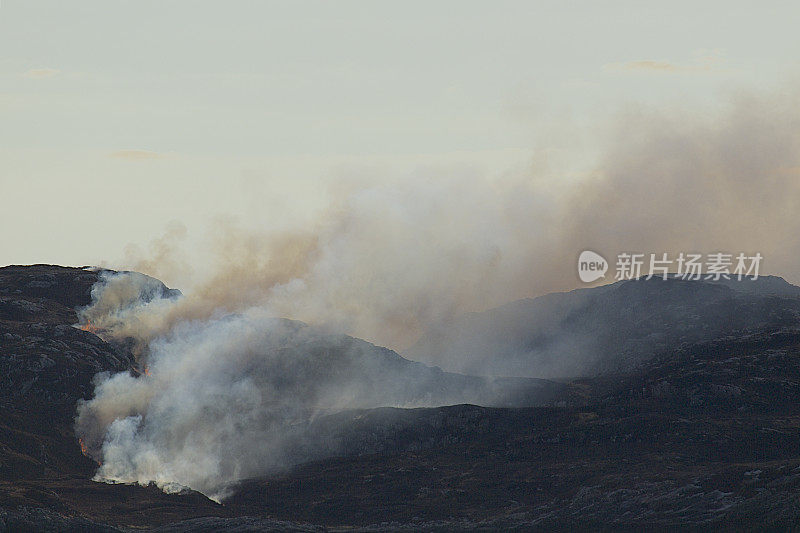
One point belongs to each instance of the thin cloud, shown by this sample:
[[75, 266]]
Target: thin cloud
[[41, 73], [704, 61], [136, 155], [661, 66]]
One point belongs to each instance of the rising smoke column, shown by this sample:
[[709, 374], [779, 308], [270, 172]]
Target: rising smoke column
[[230, 396], [221, 400], [389, 260]]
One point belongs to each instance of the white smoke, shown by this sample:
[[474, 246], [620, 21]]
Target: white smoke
[[232, 396], [122, 300], [217, 399], [387, 262], [392, 257]]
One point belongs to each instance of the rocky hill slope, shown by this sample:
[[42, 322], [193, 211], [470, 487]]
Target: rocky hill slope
[[612, 328], [703, 434]]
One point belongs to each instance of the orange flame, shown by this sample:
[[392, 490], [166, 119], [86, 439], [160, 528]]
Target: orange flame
[[85, 451], [146, 371], [89, 327]]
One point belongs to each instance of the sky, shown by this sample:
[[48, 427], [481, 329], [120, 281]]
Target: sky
[[123, 120]]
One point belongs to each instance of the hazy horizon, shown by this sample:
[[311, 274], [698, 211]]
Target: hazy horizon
[[383, 167]]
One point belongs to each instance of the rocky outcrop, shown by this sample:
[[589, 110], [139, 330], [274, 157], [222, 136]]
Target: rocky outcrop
[[47, 365]]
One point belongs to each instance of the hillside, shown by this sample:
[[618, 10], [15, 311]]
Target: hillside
[[612, 328], [704, 434]]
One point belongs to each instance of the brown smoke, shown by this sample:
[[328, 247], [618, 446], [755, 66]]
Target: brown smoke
[[386, 261], [228, 381]]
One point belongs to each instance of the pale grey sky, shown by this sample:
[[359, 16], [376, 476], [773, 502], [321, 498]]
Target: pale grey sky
[[117, 117]]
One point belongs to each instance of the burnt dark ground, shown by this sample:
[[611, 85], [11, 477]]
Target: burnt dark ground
[[704, 436]]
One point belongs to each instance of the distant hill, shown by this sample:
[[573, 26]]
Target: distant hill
[[610, 328], [698, 435], [47, 365]]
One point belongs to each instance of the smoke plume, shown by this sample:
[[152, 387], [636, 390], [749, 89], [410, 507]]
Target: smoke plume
[[223, 399], [391, 257], [389, 261]]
